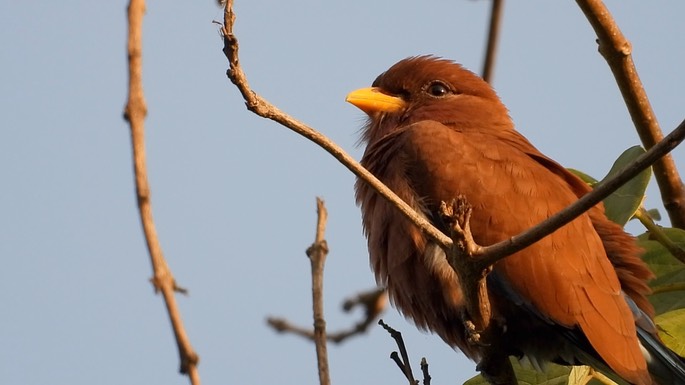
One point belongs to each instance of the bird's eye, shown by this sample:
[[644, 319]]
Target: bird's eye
[[437, 89]]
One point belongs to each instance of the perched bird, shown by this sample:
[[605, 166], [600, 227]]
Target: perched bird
[[578, 296]]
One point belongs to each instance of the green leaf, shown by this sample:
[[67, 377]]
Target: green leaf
[[672, 330], [526, 375], [622, 204], [585, 375], [669, 284], [585, 177], [654, 214]]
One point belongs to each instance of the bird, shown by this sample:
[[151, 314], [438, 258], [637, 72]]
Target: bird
[[435, 131]]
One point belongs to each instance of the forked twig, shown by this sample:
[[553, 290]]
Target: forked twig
[[373, 302], [402, 360], [472, 272]]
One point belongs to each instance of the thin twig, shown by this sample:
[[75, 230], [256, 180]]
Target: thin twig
[[317, 253], [135, 113], [426, 374], [616, 50], [656, 232], [493, 40], [403, 363], [372, 301], [668, 288]]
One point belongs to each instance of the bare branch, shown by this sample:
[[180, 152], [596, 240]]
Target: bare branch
[[472, 272], [424, 370], [457, 215], [135, 113], [616, 50], [491, 254], [403, 361], [493, 40], [373, 302], [317, 253], [263, 108]]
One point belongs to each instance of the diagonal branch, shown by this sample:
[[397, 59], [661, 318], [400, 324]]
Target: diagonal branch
[[616, 50], [263, 108], [493, 253], [135, 113]]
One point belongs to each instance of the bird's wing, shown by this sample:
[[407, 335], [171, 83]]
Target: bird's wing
[[565, 276], [621, 248]]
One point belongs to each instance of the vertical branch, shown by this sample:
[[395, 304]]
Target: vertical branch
[[493, 39], [616, 50], [317, 253], [135, 113], [471, 268]]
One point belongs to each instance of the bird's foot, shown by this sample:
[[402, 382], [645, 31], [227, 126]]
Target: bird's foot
[[473, 335]]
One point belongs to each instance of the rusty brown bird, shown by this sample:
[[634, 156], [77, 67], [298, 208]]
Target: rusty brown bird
[[578, 296]]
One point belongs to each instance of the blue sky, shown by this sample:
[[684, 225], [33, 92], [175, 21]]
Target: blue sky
[[233, 194]]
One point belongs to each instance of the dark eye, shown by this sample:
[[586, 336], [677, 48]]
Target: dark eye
[[438, 89]]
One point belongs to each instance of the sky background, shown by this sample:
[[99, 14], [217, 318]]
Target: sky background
[[233, 194]]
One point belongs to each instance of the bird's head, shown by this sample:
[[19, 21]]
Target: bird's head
[[429, 88]]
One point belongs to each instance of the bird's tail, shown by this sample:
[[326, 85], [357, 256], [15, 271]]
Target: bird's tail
[[665, 366]]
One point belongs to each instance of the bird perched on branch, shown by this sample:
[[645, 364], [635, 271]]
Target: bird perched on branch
[[578, 296]]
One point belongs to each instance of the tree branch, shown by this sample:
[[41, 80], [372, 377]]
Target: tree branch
[[317, 253], [373, 302], [493, 40], [135, 113], [493, 253], [616, 50], [401, 359], [263, 108], [657, 233], [469, 266]]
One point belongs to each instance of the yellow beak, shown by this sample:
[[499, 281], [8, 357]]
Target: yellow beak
[[372, 100]]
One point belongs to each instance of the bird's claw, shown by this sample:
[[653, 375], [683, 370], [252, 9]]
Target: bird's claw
[[473, 336]]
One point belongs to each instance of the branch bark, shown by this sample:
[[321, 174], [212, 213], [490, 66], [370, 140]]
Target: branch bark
[[616, 50], [493, 40], [472, 271], [135, 112], [373, 302], [317, 253], [263, 108]]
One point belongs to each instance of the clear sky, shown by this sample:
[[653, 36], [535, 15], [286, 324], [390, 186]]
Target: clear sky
[[234, 194]]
